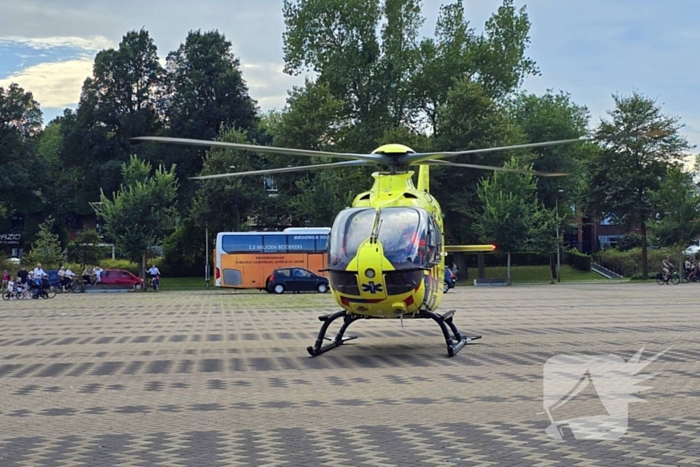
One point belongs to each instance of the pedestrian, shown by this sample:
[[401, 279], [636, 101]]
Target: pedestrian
[[5, 279], [23, 275]]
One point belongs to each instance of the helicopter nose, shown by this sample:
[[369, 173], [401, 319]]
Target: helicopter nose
[[370, 271]]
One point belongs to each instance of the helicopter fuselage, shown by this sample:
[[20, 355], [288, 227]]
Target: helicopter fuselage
[[371, 282]]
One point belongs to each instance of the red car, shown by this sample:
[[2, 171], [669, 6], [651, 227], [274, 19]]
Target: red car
[[121, 277]]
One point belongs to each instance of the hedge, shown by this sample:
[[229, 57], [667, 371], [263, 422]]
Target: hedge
[[578, 260], [629, 263]]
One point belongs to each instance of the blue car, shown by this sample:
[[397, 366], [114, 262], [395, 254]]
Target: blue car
[[295, 280], [450, 280]]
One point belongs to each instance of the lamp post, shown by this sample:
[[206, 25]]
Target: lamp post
[[556, 208]]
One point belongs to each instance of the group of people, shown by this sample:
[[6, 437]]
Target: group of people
[[691, 269], [38, 278]]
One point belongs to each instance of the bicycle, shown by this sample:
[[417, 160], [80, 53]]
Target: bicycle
[[674, 278]]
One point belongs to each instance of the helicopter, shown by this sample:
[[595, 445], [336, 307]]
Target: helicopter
[[386, 252]]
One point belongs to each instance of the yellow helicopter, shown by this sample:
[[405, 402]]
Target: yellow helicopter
[[386, 253]]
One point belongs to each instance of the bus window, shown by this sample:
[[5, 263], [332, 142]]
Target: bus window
[[322, 243], [301, 243], [275, 243], [242, 243]]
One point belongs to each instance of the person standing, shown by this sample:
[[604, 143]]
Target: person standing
[[5, 279], [23, 275]]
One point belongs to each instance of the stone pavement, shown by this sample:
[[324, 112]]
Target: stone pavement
[[223, 379]]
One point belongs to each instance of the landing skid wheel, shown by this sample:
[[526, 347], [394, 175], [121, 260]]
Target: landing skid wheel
[[454, 340]]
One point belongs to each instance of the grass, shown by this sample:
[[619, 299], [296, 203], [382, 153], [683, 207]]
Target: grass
[[520, 274], [185, 283], [532, 274]]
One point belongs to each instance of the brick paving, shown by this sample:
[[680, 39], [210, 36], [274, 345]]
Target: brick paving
[[223, 379]]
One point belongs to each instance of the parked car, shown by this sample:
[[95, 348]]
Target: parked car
[[692, 250], [121, 277], [450, 280], [295, 280]]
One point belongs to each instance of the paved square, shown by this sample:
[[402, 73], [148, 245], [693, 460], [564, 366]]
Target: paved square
[[223, 379]]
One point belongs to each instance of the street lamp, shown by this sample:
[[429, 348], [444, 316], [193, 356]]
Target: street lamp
[[556, 209]]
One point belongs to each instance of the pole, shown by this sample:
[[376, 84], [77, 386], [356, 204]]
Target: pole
[[558, 248], [206, 253]]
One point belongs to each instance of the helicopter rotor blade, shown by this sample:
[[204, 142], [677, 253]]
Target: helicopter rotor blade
[[490, 167], [285, 169], [265, 149], [420, 157]]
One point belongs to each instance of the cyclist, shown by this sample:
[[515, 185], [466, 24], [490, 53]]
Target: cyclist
[[155, 277], [667, 268], [689, 269]]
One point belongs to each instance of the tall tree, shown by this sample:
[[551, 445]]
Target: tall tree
[[495, 60], [206, 92], [140, 214], [121, 99], [509, 207], [629, 169], [23, 175]]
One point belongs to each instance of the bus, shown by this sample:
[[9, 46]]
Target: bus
[[244, 260]]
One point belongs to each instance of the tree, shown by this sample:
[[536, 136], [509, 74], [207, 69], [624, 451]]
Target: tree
[[206, 92], [47, 248], [122, 99], [678, 203], [23, 174], [140, 214], [623, 176], [85, 248], [509, 207]]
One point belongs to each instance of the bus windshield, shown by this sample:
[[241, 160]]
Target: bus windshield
[[402, 232]]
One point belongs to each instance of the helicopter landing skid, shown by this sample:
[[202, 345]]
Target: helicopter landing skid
[[339, 339], [454, 342]]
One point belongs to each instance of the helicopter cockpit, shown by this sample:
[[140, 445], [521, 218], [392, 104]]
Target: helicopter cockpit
[[407, 235]]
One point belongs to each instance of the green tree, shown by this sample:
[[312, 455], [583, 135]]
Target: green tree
[[122, 99], [623, 176], [23, 174], [509, 210], [206, 92], [85, 248], [47, 248], [141, 214], [677, 222]]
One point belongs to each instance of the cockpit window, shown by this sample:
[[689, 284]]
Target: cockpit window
[[351, 228], [403, 234]]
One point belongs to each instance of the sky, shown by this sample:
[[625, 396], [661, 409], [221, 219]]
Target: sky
[[591, 49]]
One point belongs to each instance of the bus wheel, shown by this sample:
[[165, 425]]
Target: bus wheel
[[279, 288], [322, 288]]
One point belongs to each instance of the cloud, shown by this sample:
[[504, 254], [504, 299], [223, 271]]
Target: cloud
[[55, 84], [93, 43]]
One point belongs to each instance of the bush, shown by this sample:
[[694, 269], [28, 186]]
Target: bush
[[630, 241], [629, 263], [119, 264], [578, 260]]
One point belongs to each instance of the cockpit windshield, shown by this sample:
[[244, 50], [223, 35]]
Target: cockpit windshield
[[403, 233]]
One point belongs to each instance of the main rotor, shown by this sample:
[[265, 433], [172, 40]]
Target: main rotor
[[394, 158]]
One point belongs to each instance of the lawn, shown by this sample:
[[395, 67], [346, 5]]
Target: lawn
[[185, 283], [532, 274], [520, 274]]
